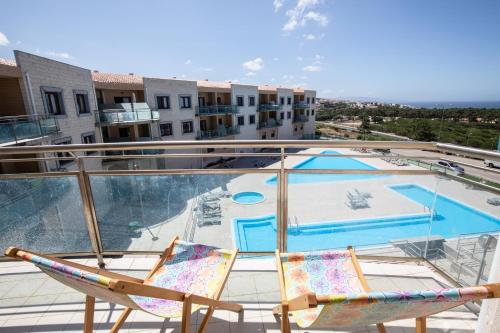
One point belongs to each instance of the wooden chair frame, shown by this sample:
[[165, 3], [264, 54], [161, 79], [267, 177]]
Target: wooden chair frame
[[312, 300], [133, 286]]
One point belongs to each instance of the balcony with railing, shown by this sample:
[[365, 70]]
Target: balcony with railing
[[269, 107], [116, 114], [408, 221], [300, 105], [21, 129], [220, 132], [269, 123], [300, 119], [216, 109]]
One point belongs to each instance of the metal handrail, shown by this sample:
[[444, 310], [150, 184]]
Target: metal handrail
[[281, 173]]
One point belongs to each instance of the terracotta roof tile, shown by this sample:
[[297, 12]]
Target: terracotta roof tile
[[213, 84], [117, 81]]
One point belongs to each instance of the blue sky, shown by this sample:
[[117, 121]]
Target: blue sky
[[405, 50]]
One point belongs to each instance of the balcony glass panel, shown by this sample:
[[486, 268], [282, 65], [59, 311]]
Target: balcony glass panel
[[269, 107], [270, 123], [216, 109], [114, 117], [300, 119], [217, 133], [300, 105], [13, 129], [43, 214], [144, 212]]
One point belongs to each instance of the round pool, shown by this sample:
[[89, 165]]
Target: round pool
[[248, 198]]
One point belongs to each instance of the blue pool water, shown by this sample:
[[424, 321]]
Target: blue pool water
[[340, 163], [248, 197], [451, 219]]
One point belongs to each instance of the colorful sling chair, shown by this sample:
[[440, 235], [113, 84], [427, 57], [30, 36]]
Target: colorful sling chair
[[327, 290], [186, 277]]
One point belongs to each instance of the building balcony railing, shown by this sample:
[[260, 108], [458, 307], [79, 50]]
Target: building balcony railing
[[21, 128], [112, 114], [108, 117], [270, 123], [300, 105], [269, 107], [136, 205], [300, 119], [218, 133], [216, 109]]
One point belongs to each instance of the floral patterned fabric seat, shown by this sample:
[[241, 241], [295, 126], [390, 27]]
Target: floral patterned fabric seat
[[333, 274], [191, 268]]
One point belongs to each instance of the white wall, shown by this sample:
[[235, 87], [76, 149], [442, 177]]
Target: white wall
[[247, 131], [285, 132], [174, 88], [310, 126]]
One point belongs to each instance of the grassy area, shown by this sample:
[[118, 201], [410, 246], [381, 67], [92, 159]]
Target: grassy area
[[479, 135]]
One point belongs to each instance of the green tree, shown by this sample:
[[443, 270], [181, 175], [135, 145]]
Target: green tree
[[423, 132]]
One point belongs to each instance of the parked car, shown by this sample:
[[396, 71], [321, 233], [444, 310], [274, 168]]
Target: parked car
[[492, 164], [451, 166]]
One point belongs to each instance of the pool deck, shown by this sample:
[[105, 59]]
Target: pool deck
[[31, 302]]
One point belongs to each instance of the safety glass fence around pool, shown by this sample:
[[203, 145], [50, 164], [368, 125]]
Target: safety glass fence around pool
[[255, 195]]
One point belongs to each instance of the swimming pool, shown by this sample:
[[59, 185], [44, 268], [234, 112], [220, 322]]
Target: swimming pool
[[339, 163], [248, 198], [451, 219]]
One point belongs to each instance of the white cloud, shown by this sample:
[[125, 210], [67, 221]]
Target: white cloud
[[276, 59], [254, 65], [313, 37], [312, 68], [3, 39], [299, 15], [62, 55], [273, 79], [188, 62], [299, 58], [277, 4], [250, 74]]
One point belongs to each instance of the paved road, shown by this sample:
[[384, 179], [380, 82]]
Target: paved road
[[492, 174]]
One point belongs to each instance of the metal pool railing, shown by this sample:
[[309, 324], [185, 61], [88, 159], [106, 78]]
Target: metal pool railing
[[81, 185]]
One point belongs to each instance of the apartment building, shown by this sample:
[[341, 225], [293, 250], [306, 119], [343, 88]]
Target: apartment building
[[50, 102]]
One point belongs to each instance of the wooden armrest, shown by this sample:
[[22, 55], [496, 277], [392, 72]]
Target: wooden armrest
[[303, 302]]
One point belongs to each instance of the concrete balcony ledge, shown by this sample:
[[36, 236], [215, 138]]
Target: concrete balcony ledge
[[216, 109]]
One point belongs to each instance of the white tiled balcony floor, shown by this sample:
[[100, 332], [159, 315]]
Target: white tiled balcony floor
[[32, 302]]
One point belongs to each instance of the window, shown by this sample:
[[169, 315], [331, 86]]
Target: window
[[163, 102], [282, 100], [272, 134], [124, 132], [289, 115], [289, 100], [307, 113], [53, 100], [264, 136], [251, 119], [251, 100], [166, 129], [210, 150], [308, 100], [63, 141], [201, 101], [88, 138], [313, 100], [81, 101], [312, 112], [185, 102], [99, 96], [240, 101], [301, 128], [219, 101], [241, 120], [187, 127], [282, 115]]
